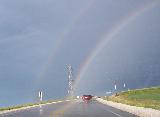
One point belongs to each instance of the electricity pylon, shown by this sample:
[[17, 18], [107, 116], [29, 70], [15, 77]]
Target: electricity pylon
[[70, 80]]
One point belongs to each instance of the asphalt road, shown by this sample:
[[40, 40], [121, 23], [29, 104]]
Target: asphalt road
[[76, 108]]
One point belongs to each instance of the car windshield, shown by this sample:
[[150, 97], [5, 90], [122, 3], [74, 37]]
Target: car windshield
[[79, 58]]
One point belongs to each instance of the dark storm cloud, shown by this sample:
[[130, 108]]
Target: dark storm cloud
[[30, 30]]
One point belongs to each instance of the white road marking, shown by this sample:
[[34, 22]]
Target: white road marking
[[67, 100], [113, 113], [59, 101]]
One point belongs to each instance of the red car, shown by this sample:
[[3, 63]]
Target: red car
[[87, 98]]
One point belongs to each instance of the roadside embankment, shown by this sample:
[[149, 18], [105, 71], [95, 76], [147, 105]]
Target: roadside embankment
[[147, 97], [139, 111], [142, 102], [28, 106]]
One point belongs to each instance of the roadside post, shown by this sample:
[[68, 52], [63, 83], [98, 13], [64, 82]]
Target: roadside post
[[40, 95], [115, 88]]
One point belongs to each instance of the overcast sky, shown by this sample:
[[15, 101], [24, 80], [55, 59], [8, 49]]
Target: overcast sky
[[38, 38]]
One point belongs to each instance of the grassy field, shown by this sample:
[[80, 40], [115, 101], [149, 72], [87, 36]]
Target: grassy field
[[148, 98]]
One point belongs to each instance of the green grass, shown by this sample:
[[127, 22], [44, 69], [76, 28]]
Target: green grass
[[148, 97]]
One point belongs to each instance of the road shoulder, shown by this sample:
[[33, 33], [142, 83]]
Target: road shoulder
[[29, 107], [139, 111]]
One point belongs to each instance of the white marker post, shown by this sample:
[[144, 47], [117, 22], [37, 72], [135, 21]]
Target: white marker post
[[115, 87], [124, 85], [40, 95]]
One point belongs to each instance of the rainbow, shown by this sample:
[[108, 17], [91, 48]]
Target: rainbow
[[119, 26], [61, 39]]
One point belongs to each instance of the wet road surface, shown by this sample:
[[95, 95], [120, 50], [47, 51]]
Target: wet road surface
[[76, 108]]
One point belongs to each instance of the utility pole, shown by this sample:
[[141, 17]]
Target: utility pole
[[70, 80]]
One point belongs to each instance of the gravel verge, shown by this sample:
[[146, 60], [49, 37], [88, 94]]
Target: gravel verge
[[139, 111]]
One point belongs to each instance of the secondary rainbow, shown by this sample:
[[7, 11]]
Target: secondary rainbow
[[60, 41]]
